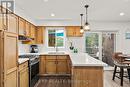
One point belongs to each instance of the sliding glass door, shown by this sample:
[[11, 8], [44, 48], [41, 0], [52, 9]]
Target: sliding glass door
[[100, 45]]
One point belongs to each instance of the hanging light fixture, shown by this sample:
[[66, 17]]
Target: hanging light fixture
[[81, 27], [86, 26]]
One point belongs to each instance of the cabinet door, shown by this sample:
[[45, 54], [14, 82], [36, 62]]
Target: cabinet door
[[39, 35], [1, 19], [70, 31], [61, 66], [12, 23], [27, 29], [32, 31], [21, 26], [42, 65], [10, 59], [77, 32], [50, 66], [24, 80]]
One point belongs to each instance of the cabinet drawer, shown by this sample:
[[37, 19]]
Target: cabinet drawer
[[62, 57], [51, 57], [23, 65]]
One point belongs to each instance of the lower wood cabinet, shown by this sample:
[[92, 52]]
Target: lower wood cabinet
[[87, 76], [51, 66], [23, 75], [54, 64]]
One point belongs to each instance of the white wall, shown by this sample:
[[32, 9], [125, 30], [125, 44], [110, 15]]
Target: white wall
[[121, 43]]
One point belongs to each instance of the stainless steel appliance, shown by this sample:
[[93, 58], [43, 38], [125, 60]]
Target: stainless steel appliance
[[33, 68], [33, 49]]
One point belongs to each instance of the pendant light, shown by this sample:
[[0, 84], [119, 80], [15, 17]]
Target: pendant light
[[86, 26], [81, 27]]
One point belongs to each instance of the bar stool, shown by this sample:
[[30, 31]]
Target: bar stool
[[122, 66]]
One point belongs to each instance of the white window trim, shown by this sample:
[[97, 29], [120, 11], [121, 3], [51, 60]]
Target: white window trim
[[56, 28]]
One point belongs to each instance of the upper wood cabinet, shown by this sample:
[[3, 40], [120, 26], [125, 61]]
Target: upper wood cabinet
[[10, 60], [73, 31], [22, 26], [32, 31], [40, 32], [12, 23], [27, 30], [1, 19]]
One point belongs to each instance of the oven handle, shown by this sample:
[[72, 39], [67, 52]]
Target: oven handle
[[34, 63]]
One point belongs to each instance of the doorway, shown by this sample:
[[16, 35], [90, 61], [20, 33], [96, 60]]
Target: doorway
[[101, 45]]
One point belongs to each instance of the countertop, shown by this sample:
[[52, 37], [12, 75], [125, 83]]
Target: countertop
[[77, 59], [22, 60], [83, 59]]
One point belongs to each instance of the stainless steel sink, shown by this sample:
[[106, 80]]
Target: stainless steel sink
[[56, 52]]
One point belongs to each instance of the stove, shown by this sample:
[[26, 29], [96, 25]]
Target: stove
[[33, 67]]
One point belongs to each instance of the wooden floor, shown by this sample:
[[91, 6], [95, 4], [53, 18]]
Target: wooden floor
[[64, 81]]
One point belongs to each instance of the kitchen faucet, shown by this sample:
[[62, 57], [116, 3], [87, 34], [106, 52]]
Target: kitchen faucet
[[56, 48]]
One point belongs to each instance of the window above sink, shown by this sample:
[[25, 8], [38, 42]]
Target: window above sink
[[56, 37]]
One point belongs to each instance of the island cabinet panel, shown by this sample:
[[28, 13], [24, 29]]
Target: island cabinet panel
[[12, 23], [73, 31], [23, 75], [87, 76], [22, 26], [10, 60]]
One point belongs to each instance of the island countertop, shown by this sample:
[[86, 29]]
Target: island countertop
[[83, 59]]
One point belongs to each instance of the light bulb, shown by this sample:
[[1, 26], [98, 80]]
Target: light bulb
[[81, 30], [87, 28]]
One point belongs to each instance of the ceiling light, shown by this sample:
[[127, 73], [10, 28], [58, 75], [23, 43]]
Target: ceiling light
[[86, 26], [52, 14], [122, 14], [81, 27], [45, 0]]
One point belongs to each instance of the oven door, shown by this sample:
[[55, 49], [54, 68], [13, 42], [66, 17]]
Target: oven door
[[34, 71]]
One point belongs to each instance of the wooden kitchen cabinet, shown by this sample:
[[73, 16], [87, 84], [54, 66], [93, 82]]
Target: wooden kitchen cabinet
[[1, 19], [12, 23], [40, 32], [73, 31], [89, 76], [32, 31], [27, 30], [62, 65], [42, 65], [10, 59], [23, 75], [55, 64], [22, 27], [51, 62]]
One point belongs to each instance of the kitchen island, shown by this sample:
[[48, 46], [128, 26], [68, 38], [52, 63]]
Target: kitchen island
[[86, 71]]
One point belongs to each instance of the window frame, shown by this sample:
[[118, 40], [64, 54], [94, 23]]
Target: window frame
[[56, 28]]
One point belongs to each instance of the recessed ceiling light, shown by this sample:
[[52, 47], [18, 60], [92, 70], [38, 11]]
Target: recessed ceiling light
[[122, 14], [52, 14], [45, 0]]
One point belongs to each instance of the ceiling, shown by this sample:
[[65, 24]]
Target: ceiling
[[99, 10]]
